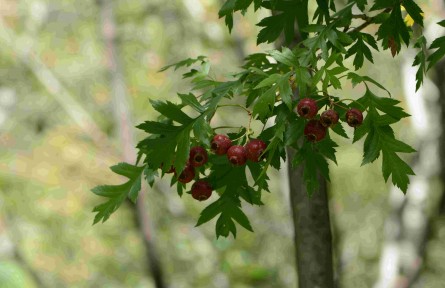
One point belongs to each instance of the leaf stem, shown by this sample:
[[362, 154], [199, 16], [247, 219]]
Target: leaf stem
[[235, 105], [225, 127], [352, 100]]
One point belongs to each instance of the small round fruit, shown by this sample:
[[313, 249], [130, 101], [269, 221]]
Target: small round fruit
[[201, 190], [254, 149], [329, 118], [307, 108], [354, 117], [198, 156], [314, 131], [220, 144], [187, 175], [237, 155]]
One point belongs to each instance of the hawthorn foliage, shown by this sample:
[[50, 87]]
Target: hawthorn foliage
[[266, 86]]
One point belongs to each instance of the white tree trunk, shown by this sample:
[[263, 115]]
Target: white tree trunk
[[407, 225]]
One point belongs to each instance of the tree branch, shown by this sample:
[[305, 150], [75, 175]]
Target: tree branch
[[125, 132]]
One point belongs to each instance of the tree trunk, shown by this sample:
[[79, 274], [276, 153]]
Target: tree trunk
[[312, 227], [122, 114], [407, 227], [313, 240], [440, 83]]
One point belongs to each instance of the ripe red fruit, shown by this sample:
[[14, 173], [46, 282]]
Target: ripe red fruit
[[201, 190], [198, 156], [187, 175], [307, 108], [237, 155], [329, 118], [220, 144], [314, 131], [354, 117], [254, 149]]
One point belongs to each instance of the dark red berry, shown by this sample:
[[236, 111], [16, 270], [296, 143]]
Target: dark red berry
[[237, 155], [254, 149], [354, 117], [329, 118], [307, 108], [198, 156], [187, 175], [314, 131], [201, 190], [220, 144]]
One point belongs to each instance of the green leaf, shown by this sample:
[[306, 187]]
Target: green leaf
[[287, 12], [286, 56], [437, 55], [190, 100], [228, 207], [395, 166], [356, 79], [382, 4], [117, 194], [265, 103], [420, 60], [380, 138], [150, 175], [338, 129], [294, 130], [414, 11], [393, 29], [171, 111], [360, 4], [360, 50], [313, 163], [327, 149], [269, 81], [185, 63], [202, 131], [153, 127]]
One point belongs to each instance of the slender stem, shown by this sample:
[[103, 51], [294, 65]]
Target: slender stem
[[368, 22], [235, 105], [352, 100], [346, 108], [225, 127]]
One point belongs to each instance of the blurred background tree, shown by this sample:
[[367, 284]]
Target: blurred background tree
[[60, 130]]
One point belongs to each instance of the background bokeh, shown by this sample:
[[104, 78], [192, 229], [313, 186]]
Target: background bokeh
[[58, 136]]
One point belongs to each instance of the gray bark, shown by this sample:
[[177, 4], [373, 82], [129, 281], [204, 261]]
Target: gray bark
[[312, 227], [313, 240]]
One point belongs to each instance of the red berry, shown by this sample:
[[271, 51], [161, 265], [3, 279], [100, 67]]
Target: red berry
[[187, 175], [237, 155], [354, 117], [314, 131], [201, 190], [329, 118], [198, 156], [220, 144], [254, 149], [307, 108]]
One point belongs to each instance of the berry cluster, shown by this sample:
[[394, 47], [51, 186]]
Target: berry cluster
[[220, 145], [237, 154], [201, 190], [315, 129]]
